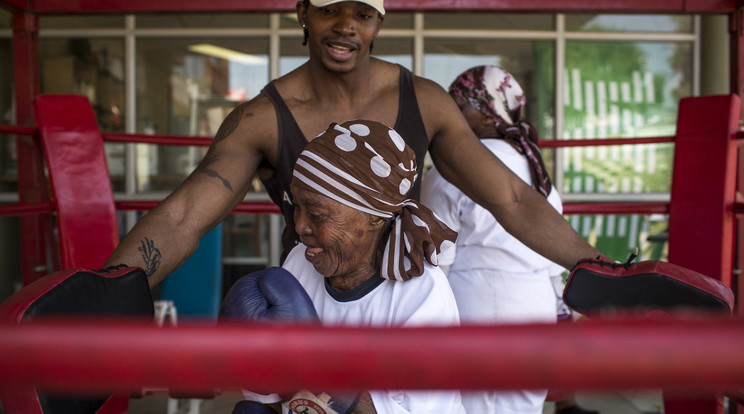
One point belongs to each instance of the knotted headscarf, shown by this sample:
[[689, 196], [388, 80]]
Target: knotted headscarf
[[496, 94], [368, 166]]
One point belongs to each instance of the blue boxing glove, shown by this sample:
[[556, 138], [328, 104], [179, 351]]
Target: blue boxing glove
[[272, 293]]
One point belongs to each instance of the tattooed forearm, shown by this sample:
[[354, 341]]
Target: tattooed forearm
[[150, 255]]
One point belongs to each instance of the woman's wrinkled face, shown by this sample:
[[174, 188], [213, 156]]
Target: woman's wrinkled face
[[340, 240]]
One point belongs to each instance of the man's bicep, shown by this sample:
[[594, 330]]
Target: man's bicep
[[466, 163], [457, 152], [230, 164]]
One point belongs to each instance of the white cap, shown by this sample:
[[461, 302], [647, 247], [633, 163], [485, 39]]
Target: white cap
[[377, 4]]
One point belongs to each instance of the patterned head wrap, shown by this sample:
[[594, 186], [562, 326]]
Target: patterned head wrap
[[368, 166], [496, 94]]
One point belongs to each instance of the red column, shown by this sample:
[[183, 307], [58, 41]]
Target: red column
[[701, 218], [36, 231]]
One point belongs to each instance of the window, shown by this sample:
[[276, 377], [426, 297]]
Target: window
[[187, 86], [619, 76]]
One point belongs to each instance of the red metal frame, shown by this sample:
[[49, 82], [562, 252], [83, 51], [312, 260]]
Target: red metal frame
[[36, 231], [177, 6], [703, 193]]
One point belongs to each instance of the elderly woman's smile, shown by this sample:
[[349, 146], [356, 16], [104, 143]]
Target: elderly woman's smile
[[340, 240]]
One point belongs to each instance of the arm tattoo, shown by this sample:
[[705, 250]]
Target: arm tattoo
[[203, 168], [229, 125], [215, 174], [150, 255]]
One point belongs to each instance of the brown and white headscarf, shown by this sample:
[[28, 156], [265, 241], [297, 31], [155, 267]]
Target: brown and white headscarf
[[495, 93], [368, 166]]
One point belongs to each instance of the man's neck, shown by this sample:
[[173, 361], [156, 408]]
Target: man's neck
[[340, 87]]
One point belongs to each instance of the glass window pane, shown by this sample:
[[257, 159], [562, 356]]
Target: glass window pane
[[90, 67], [394, 50], [8, 156], [292, 54], [623, 89], [5, 19], [78, 22], [398, 21], [203, 20], [187, 87], [10, 256], [392, 21], [626, 89], [289, 20], [489, 21], [93, 68], [531, 63], [617, 235], [630, 23]]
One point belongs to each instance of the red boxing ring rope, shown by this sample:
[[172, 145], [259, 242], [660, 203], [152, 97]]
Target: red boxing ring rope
[[253, 207], [674, 354]]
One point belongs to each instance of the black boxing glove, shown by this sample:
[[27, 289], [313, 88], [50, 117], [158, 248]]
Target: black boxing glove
[[272, 294]]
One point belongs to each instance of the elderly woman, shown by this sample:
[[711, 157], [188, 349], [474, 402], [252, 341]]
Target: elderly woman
[[367, 254]]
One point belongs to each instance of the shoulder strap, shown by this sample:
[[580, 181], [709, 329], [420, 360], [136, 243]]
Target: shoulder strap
[[410, 125]]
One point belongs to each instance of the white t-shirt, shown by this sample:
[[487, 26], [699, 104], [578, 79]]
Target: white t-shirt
[[494, 276], [426, 300]]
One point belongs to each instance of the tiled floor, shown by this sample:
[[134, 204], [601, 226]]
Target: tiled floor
[[616, 402]]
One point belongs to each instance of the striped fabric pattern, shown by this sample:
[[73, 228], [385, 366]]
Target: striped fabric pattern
[[368, 166]]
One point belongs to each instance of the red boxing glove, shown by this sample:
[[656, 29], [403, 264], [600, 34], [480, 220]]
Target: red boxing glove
[[602, 285]]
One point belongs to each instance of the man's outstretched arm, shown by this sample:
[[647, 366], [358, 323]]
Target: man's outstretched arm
[[167, 235], [465, 162]]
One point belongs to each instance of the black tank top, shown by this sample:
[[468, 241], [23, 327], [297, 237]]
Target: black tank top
[[291, 143]]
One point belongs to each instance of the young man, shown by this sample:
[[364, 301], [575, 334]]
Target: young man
[[340, 80]]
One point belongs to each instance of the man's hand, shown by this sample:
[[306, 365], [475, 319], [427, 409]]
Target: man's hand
[[310, 403]]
